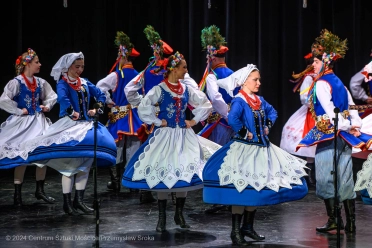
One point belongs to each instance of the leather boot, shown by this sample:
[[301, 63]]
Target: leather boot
[[40, 194], [236, 236], [331, 223], [18, 195], [310, 179], [67, 205], [178, 215], [146, 197], [247, 227], [162, 204], [114, 184], [174, 197], [79, 202], [349, 206]]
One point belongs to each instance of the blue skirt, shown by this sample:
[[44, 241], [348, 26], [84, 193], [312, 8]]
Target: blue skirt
[[215, 193], [105, 154]]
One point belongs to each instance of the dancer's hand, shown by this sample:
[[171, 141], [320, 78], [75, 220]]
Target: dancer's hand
[[92, 112], [355, 131], [163, 123], [250, 135], [75, 115], [24, 111], [190, 123], [44, 108]]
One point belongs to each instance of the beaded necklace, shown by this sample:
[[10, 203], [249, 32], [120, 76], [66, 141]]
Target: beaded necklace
[[254, 103], [32, 86], [76, 86], [174, 88]]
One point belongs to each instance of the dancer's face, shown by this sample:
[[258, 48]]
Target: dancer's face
[[317, 64], [252, 83], [76, 68]]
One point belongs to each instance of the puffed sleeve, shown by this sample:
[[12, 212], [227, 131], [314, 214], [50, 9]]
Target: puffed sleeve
[[218, 103], [6, 99], [304, 90], [189, 82], [132, 88], [108, 83], [202, 106], [356, 87], [146, 109], [48, 96]]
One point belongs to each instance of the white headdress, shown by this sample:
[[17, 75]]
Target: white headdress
[[367, 71], [64, 63], [236, 79]]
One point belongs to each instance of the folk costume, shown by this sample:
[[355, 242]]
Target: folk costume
[[326, 94], [68, 145], [31, 93], [299, 124], [216, 129], [251, 172], [173, 157], [123, 120]]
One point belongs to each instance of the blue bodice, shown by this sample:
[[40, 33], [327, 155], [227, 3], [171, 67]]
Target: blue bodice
[[27, 99], [172, 109]]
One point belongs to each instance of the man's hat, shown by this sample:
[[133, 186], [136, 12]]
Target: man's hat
[[134, 53], [213, 42], [157, 44]]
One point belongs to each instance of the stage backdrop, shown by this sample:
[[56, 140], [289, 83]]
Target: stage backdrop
[[273, 34]]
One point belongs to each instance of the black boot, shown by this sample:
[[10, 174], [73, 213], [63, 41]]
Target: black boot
[[40, 194], [67, 205], [146, 197], [174, 197], [18, 195], [162, 204], [331, 223], [178, 215], [236, 236], [79, 202], [349, 206], [310, 179], [114, 184], [247, 228]]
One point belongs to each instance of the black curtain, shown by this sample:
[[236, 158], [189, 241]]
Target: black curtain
[[273, 34]]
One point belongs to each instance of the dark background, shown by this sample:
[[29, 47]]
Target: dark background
[[273, 34]]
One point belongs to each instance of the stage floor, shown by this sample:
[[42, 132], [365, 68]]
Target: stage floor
[[124, 222]]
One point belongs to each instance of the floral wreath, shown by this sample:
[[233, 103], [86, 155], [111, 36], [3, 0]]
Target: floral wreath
[[27, 59], [328, 58], [177, 57]]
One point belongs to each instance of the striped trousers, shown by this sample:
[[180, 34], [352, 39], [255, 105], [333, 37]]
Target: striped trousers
[[324, 158]]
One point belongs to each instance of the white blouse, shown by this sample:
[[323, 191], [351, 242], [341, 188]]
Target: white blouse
[[11, 89], [197, 99]]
